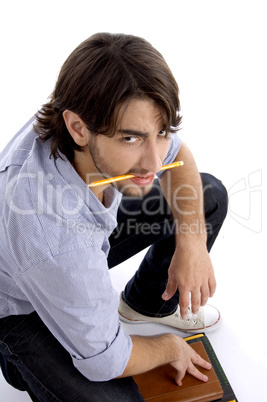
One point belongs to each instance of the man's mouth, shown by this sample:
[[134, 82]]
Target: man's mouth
[[143, 180]]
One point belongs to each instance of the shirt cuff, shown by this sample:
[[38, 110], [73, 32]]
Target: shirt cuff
[[109, 364]]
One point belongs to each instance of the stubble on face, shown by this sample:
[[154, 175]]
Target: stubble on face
[[105, 168]]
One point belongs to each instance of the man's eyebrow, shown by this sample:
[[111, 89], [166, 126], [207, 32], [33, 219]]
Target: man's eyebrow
[[133, 132]]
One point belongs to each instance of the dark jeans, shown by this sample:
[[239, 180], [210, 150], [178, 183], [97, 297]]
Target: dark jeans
[[33, 360]]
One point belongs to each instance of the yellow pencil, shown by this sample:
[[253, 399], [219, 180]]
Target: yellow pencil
[[130, 176]]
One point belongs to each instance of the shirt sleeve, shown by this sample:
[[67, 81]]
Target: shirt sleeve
[[73, 294], [175, 143]]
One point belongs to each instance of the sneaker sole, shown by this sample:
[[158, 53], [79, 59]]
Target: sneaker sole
[[207, 329]]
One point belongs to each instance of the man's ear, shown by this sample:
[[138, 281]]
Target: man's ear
[[76, 128]]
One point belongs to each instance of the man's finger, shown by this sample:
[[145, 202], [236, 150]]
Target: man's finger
[[212, 286], [205, 294], [170, 289], [195, 301], [196, 373], [180, 375], [184, 302], [196, 359]]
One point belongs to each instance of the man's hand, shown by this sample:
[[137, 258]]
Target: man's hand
[[192, 272], [186, 363]]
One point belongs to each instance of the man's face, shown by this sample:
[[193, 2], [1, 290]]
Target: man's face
[[138, 147]]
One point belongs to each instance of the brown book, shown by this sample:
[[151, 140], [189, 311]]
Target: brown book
[[158, 385]]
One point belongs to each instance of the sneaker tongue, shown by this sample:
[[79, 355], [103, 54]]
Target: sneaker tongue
[[199, 317]]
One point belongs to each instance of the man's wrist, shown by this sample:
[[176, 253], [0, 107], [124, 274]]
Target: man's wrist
[[150, 352], [191, 239]]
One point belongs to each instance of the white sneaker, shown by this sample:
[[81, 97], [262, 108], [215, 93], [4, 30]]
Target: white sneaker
[[208, 319]]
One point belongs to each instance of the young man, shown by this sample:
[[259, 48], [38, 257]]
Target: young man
[[114, 110]]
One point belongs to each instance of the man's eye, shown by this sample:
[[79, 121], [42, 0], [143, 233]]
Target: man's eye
[[130, 140], [164, 133]]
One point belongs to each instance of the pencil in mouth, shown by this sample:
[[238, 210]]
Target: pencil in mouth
[[131, 176]]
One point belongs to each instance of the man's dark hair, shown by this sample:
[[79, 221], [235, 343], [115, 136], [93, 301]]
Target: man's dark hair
[[101, 74]]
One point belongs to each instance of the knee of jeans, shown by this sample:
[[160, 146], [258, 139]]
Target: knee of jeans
[[11, 374], [215, 192]]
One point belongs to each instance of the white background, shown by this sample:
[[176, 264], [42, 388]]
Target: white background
[[217, 52]]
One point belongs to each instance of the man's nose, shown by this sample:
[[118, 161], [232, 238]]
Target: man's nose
[[150, 160]]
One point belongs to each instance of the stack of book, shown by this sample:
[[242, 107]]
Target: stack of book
[[158, 385]]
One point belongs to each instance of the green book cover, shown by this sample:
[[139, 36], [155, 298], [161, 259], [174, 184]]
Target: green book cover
[[228, 393]]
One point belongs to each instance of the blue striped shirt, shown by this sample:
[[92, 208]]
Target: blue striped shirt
[[53, 258]]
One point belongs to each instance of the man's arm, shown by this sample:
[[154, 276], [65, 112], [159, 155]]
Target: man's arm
[[191, 268], [154, 351]]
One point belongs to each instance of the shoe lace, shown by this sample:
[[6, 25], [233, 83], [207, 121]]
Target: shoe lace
[[190, 316]]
